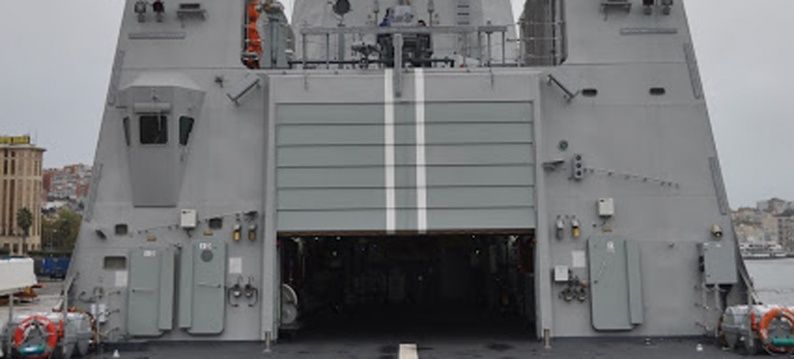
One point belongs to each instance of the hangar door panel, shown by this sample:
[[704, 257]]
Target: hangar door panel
[[347, 167], [480, 166]]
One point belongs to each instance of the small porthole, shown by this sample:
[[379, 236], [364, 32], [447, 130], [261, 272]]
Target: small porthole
[[658, 91], [115, 263], [216, 223], [206, 255], [590, 92], [121, 229]]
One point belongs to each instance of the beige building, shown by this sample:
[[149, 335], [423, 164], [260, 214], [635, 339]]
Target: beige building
[[786, 232], [20, 187]]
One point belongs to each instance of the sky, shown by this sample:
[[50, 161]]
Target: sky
[[56, 56]]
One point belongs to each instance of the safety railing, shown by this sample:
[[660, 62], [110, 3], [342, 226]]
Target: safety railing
[[483, 52], [544, 39], [546, 47]]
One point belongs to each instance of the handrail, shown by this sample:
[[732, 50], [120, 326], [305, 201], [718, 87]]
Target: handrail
[[544, 34], [403, 30], [341, 31]]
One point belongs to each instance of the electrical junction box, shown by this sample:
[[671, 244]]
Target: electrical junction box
[[606, 207], [718, 263], [561, 274], [188, 219]]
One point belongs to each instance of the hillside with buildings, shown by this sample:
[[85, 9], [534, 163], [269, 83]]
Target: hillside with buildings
[[39, 208], [67, 186], [770, 222]]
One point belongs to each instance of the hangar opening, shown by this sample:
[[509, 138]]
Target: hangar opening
[[455, 284]]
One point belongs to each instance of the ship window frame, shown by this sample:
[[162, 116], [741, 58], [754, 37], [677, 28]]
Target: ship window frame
[[149, 135], [186, 126]]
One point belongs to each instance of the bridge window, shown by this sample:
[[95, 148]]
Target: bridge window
[[154, 129]]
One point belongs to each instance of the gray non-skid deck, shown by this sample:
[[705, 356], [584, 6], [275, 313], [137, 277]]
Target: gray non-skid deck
[[430, 348]]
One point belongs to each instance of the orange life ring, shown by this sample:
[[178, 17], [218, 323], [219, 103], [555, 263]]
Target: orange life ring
[[52, 331], [766, 320], [254, 40]]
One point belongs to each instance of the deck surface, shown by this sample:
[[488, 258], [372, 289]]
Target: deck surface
[[389, 348], [431, 343]]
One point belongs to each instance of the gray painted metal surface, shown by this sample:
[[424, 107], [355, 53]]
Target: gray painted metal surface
[[208, 292], [447, 347], [615, 282], [469, 148], [151, 292]]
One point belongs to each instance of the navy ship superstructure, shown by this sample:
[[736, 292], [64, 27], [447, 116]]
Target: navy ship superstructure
[[254, 177]]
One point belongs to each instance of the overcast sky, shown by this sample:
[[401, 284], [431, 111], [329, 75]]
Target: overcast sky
[[56, 55]]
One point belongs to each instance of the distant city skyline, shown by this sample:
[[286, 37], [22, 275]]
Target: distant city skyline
[[56, 77]]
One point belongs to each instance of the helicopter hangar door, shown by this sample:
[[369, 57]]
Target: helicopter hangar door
[[364, 160]]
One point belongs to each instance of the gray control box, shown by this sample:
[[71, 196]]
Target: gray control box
[[718, 263]]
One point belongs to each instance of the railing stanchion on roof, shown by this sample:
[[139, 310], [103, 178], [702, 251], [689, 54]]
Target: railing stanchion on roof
[[304, 49], [479, 48], [328, 51], [504, 44]]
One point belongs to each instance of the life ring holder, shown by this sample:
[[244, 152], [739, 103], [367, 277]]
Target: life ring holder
[[53, 334], [763, 328]]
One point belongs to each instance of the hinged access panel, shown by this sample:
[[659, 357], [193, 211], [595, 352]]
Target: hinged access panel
[[150, 299], [616, 283], [202, 299]]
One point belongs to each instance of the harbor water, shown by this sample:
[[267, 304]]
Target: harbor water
[[773, 280]]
